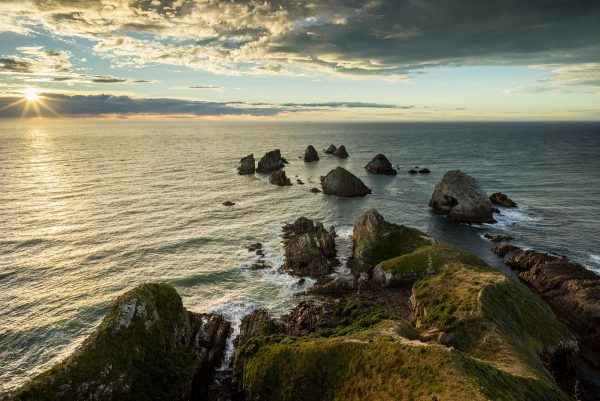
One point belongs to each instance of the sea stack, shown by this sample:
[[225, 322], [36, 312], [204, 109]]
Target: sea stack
[[310, 154], [341, 152], [460, 197], [270, 162], [247, 165], [279, 178], [380, 165], [330, 150], [340, 182]]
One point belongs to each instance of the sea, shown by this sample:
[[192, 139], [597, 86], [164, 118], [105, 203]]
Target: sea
[[90, 210]]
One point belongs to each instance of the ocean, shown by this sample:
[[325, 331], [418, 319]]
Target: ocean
[[88, 211]]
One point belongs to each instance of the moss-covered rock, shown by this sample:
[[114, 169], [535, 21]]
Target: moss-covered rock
[[148, 347], [376, 240]]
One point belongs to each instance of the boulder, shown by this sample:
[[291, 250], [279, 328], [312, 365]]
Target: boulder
[[254, 247], [315, 190], [340, 182], [501, 199], [309, 248], [330, 150], [460, 197], [341, 152], [247, 165], [424, 171], [412, 171], [571, 290], [228, 203], [380, 165], [310, 154], [270, 162], [279, 178], [147, 347], [299, 181]]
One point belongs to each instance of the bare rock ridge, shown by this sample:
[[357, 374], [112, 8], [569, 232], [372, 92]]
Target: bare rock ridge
[[309, 248], [310, 154], [270, 162], [247, 165], [380, 165], [460, 197], [340, 182]]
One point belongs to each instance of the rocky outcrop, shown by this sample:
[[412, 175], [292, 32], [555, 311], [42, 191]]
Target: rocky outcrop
[[310, 154], [460, 197], [270, 162], [309, 248], [498, 237], [380, 165], [501, 199], [279, 178], [412, 171], [148, 347], [572, 291], [330, 150], [335, 286], [340, 182], [375, 240], [247, 165], [341, 152], [505, 249], [424, 171]]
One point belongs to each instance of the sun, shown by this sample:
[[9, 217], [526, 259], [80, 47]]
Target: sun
[[31, 94]]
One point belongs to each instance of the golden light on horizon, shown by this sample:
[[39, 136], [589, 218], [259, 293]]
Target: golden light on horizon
[[31, 99], [31, 94]]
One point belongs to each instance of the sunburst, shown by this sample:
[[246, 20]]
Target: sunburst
[[31, 99]]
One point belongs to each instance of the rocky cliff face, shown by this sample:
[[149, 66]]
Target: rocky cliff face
[[148, 347]]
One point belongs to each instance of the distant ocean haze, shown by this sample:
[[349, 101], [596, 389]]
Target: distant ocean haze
[[88, 211]]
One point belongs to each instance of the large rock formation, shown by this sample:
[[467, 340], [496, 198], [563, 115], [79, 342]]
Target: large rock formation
[[270, 162], [501, 199], [247, 165], [310, 154], [460, 197], [279, 178], [380, 165], [309, 248], [340, 182], [341, 152], [148, 347], [572, 291], [330, 150], [375, 240]]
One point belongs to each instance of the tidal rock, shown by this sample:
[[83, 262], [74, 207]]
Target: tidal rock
[[376, 240], [309, 248], [299, 181], [330, 150], [315, 190], [501, 199], [247, 165], [310, 154], [253, 247], [503, 250], [424, 171], [460, 197], [340, 182], [341, 152], [279, 178], [228, 203], [498, 237], [148, 347], [270, 162], [380, 165], [412, 171], [260, 265], [571, 290]]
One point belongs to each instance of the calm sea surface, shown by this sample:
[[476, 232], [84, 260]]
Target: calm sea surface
[[89, 211]]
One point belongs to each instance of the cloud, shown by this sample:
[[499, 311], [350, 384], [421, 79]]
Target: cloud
[[564, 78], [391, 38], [99, 105]]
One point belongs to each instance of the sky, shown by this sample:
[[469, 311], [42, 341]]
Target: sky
[[374, 60]]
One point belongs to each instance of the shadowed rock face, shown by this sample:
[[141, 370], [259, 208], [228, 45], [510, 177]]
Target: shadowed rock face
[[572, 291], [270, 162], [340, 182], [279, 178], [310, 154], [460, 197], [148, 347], [380, 165], [330, 150], [247, 165], [309, 248], [501, 199], [341, 152]]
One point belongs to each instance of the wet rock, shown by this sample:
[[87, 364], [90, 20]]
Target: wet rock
[[503, 250], [270, 162], [299, 182], [498, 237], [380, 165], [247, 165], [255, 246], [340, 182], [330, 150], [341, 152], [501, 199], [283, 159], [260, 252], [310, 154], [301, 281], [279, 178], [460, 197], [315, 190], [309, 248], [260, 265], [228, 203], [412, 171], [424, 171]]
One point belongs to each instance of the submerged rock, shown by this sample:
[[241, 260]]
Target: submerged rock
[[279, 178], [380, 165], [310, 154], [147, 347], [412, 171], [247, 165], [254, 247], [340, 182], [341, 152], [501, 199], [315, 190], [309, 248], [424, 171], [228, 203], [460, 197], [270, 162], [299, 181], [330, 150]]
